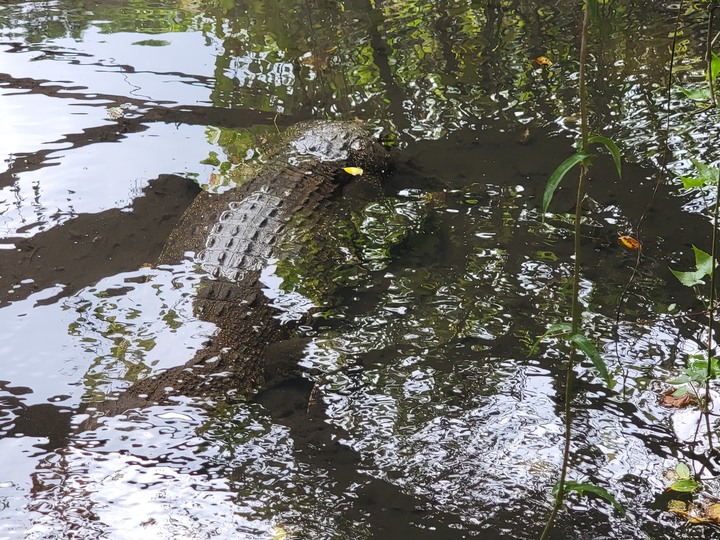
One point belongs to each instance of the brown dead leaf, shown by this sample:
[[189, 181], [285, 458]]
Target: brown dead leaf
[[436, 199], [630, 243], [525, 136], [712, 512], [690, 512], [319, 62], [677, 402]]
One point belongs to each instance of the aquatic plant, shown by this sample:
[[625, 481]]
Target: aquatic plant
[[573, 332]]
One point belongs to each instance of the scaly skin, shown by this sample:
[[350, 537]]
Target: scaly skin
[[233, 234]]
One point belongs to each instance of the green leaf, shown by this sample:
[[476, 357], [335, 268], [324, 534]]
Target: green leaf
[[697, 371], [682, 470], [689, 279], [613, 148], [557, 176], [686, 485], [592, 5], [696, 94], [714, 67], [586, 346], [582, 487], [709, 175], [703, 267], [690, 182], [558, 329], [703, 261]]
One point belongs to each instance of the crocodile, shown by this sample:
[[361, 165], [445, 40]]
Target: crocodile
[[233, 235]]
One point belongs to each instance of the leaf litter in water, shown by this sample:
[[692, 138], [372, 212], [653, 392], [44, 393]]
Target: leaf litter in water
[[696, 514], [630, 243], [675, 399]]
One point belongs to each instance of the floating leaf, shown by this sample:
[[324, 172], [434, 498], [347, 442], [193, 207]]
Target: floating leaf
[[355, 171], [630, 243], [686, 485], [696, 94], [678, 399], [713, 513], [212, 159], [558, 175], [215, 179], [677, 506], [543, 61], [689, 512], [116, 113], [682, 470], [320, 62]]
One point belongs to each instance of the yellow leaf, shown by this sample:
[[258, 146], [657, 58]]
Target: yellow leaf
[[690, 513], [630, 243], [543, 61], [713, 513], [355, 171], [278, 533], [679, 507]]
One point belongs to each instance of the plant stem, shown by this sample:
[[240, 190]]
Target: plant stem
[[713, 255], [708, 52], [576, 310]]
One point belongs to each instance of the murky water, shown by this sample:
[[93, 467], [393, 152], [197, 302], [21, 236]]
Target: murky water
[[424, 411]]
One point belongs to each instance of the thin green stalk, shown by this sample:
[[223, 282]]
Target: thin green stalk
[[576, 310], [713, 254], [708, 52]]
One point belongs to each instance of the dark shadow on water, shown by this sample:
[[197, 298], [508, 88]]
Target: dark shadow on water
[[89, 247], [393, 513]]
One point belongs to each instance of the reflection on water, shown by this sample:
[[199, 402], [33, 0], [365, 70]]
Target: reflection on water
[[423, 409]]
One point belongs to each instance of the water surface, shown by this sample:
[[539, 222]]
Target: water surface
[[432, 415]]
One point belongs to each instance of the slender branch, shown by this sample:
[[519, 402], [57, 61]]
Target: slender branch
[[576, 310], [658, 181], [707, 402], [708, 53]]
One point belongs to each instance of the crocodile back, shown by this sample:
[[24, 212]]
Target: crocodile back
[[233, 234]]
